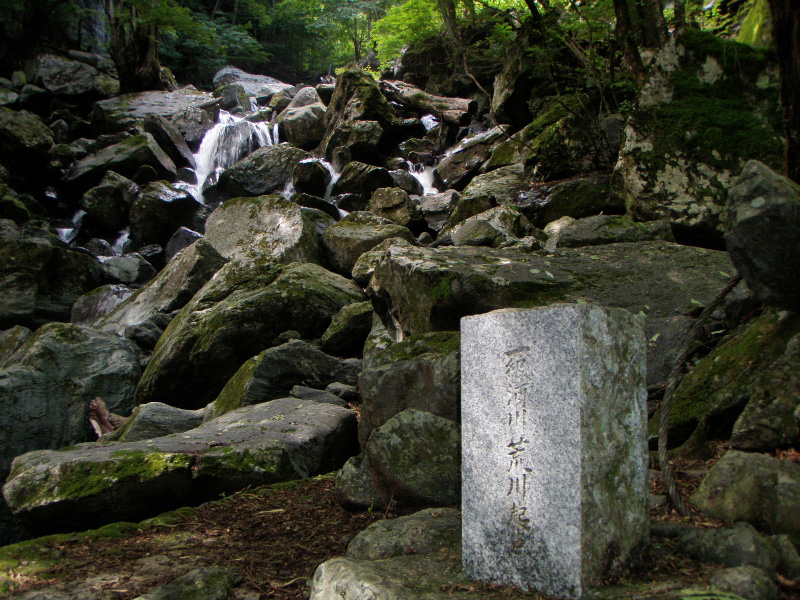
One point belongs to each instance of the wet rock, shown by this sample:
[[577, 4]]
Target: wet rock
[[90, 307], [682, 148], [134, 480], [158, 211], [362, 179], [357, 233], [155, 419], [40, 281], [193, 124], [756, 488], [348, 330], [48, 382], [234, 98], [429, 290], [110, 202], [276, 371], [265, 171], [421, 372], [122, 112], [311, 177], [233, 318], [307, 201], [763, 229], [170, 139], [129, 269], [169, 291], [263, 227], [415, 458], [254, 85], [125, 158], [464, 159]]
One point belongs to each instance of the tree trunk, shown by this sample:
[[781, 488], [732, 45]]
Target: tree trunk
[[786, 31], [679, 18], [134, 49], [626, 41]]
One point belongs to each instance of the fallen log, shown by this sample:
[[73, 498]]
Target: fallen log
[[457, 111]]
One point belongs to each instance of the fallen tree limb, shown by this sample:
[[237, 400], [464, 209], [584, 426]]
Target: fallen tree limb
[[456, 111]]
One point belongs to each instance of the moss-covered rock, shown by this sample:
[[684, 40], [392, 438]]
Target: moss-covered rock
[[609, 229], [110, 202], [263, 227], [93, 484], [421, 372], [233, 317], [499, 187], [348, 330], [275, 371], [159, 211], [71, 80], [357, 233], [361, 138], [577, 198], [121, 112], [302, 122], [40, 281], [463, 161], [419, 290], [366, 263], [362, 179], [265, 171], [396, 205], [491, 228], [710, 105], [758, 365], [415, 458]]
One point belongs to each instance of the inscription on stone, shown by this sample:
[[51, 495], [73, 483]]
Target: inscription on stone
[[553, 408]]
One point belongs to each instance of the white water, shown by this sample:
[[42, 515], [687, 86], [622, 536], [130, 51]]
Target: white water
[[424, 174], [119, 245], [228, 141], [68, 234]]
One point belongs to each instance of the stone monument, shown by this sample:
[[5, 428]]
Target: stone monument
[[554, 453]]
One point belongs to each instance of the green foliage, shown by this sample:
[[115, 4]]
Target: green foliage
[[407, 23]]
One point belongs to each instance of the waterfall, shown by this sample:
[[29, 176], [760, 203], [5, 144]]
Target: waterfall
[[423, 174], [231, 139], [68, 234], [119, 245]]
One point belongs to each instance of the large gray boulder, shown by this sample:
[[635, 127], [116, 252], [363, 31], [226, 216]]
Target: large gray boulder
[[415, 458], [699, 119], [71, 80], [357, 233], [232, 318], [125, 158], [362, 179], [155, 419], [465, 158], [303, 121], [40, 281], [254, 85], [122, 112], [47, 384], [361, 138], [421, 372], [265, 171], [755, 488], [170, 139], [94, 484], [763, 234], [264, 226], [348, 331], [275, 371], [425, 290], [23, 136], [172, 288], [609, 229], [110, 202], [493, 227], [96, 304]]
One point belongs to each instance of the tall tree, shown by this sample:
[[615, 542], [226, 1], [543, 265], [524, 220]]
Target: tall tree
[[627, 41], [786, 32]]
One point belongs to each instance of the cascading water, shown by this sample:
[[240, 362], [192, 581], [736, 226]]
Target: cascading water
[[228, 141], [329, 189], [68, 234], [423, 174]]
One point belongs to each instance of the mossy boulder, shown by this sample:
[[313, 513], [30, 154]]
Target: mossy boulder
[[233, 317], [47, 384], [155, 419], [563, 140], [11, 340], [71, 80], [23, 136], [366, 263], [302, 122], [361, 138], [172, 288], [757, 369], [159, 211], [310, 176], [110, 202], [436, 208], [348, 331], [493, 227], [709, 106], [263, 227], [415, 458], [395, 204], [357, 233], [421, 290], [275, 371], [421, 372], [756, 488], [580, 197], [125, 158], [93, 484], [265, 171], [41, 280]]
